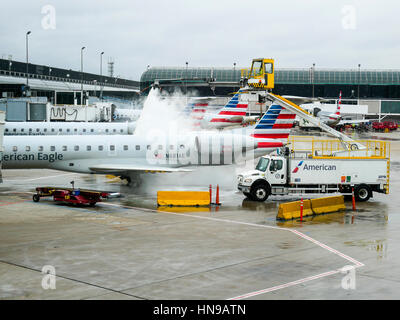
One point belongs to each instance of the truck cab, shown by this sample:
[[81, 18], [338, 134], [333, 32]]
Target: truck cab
[[261, 74], [270, 172]]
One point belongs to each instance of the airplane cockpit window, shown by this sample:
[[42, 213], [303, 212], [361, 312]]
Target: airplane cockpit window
[[27, 148], [52, 148], [64, 148], [40, 148], [101, 148], [125, 147], [15, 149], [88, 148], [76, 148]]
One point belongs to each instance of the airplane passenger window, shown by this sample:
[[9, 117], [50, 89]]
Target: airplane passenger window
[[6, 130], [37, 130], [15, 149], [112, 147], [171, 147], [15, 130], [88, 148], [91, 130], [84, 130], [60, 130], [45, 129], [40, 148], [76, 148], [27, 148], [75, 129], [64, 148], [68, 130], [114, 130], [159, 147], [30, 129], [125, 147], [52, 129], [100, 148], [52, 148], [106, 130], [121, 130], [22, 130], [137, 147], [148, 147]]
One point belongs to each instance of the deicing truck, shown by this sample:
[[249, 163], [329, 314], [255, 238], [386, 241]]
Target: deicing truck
[[320, 170]]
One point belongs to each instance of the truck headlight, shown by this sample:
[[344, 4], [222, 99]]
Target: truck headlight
[[248, 180]]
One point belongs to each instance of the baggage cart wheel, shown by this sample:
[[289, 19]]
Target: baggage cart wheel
[[35, 198]]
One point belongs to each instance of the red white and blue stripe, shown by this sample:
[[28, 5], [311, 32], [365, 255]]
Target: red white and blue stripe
[[232, 112], [275, 124]]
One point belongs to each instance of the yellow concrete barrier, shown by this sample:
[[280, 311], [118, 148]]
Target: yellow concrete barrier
[[328, 204], [183, 198], [291, 210]]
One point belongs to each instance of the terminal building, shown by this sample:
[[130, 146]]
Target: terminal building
[[379, 89], [59, 86]]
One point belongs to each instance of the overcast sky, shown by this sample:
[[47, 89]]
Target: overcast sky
[[331, 34]]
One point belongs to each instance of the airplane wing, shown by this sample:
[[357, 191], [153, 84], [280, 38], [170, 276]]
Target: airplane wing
[[120, 168]]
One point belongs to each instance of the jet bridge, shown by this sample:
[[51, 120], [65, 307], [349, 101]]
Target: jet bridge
[[346, 141]]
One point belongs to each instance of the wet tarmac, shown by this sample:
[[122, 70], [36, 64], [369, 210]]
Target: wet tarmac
[[127, 248]]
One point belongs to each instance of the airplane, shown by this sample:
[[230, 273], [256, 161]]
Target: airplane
[[126, 114], [68, 128], [232, 114], [331, 119], [128, 156]]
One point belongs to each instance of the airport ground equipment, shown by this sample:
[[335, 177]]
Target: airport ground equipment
[[261, 75], [183, 198], [292, 210], [72, 195], [324, 167]]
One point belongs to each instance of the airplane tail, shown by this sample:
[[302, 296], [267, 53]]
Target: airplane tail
[[276, 123], [197, 113], [339, 104], [232, 112]]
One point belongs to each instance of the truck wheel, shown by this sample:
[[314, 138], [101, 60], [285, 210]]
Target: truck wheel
[[35, 198], [362, 193], [260, 192]]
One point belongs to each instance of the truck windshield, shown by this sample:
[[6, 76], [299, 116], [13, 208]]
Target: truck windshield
[[262, 164]]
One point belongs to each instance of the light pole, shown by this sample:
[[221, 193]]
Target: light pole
[[359, 80], [234, 69], [83, 48], [313, 77], [27, 80], [187, 63], [101, 74]]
